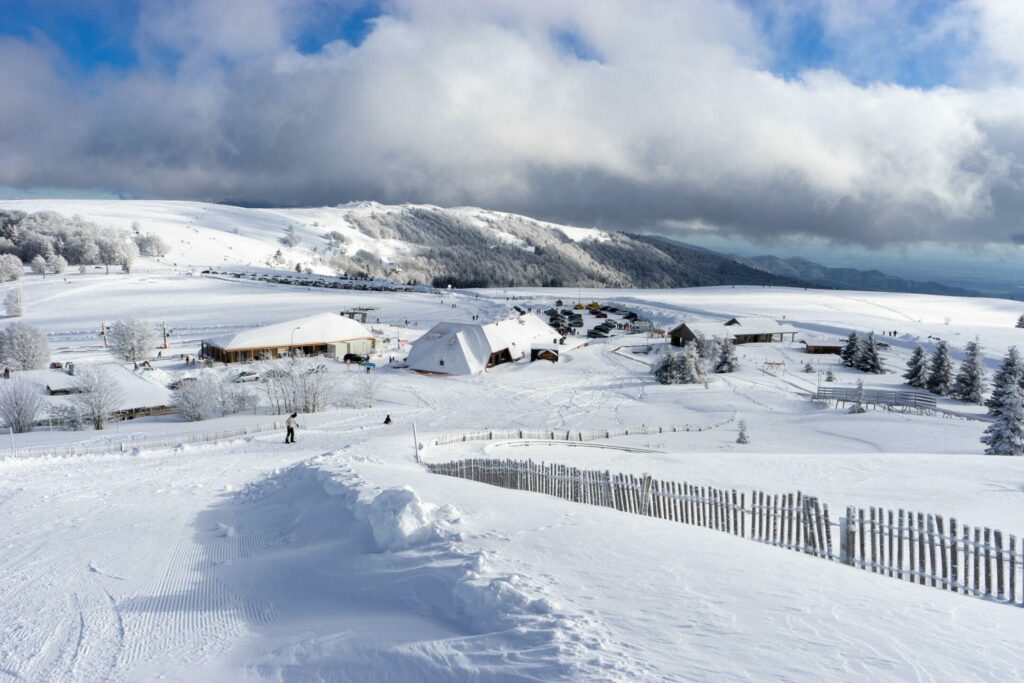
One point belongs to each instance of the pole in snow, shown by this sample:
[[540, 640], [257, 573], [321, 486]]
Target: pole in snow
[[10, 430], [415, 443]]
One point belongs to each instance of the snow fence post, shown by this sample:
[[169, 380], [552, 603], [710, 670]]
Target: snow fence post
[[645, 495], [416, 444], [844, 551]]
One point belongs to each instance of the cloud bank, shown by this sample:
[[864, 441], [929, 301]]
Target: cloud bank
[[640, 115]]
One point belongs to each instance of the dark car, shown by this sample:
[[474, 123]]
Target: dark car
[[355, 358], [596, 334]]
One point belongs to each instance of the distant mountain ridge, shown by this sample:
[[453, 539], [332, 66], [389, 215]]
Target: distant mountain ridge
[[845, 278]]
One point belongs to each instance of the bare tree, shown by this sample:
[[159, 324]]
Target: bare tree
[[365, 391], [15, 303], [133, 339], [21, 404], [97, 395], [24, 347], [209, 396], [297, 384]]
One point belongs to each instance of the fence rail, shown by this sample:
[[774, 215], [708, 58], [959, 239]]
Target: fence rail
[[911, 546], [72, 450], [568, 434]]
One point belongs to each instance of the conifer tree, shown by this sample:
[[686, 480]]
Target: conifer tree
[[1005, 436], [970, 381], [941, 378], [666, 371], [691, 370], [1020, 321], [868, 359], [850, 352], [1010, 372], [727, 360], [917, 369]]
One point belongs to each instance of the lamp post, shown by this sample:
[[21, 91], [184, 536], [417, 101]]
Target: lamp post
[[291, 348]]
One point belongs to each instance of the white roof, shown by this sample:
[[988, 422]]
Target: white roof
[[740, 326], [464, 348], [314, 329], [136, 390]]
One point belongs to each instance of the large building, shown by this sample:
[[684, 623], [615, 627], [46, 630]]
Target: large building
[[740, 330], [470, 348], [323, 334]]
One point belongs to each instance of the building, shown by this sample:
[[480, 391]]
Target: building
[[471, 348], [548, 352], [323, 334], [138, 394], [822, 347], [740, 330]]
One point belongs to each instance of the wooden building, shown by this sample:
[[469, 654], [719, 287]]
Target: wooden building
[[316, 335], [739, 330]]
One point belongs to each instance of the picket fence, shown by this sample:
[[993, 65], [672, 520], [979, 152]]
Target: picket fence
[[126, 445], [911, 546]]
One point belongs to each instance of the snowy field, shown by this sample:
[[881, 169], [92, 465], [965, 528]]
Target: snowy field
[[340, 559]]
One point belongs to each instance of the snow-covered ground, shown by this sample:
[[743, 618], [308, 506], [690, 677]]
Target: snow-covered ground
[[340, 558]]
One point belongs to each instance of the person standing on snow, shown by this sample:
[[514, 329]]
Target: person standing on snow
[[290, 424]]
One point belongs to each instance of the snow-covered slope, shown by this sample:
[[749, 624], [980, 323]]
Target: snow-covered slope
[[423, 244]]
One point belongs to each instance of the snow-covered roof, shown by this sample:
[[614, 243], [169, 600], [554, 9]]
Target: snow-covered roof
[[136, 390], [314, 329], [464, 348], [736, 327]]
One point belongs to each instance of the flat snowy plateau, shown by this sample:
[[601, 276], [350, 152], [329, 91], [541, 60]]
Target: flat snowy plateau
[[340, 558]]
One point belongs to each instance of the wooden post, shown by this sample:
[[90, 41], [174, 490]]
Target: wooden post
[[1013, 568], [646, 495], [889, 529], [954, 555], [743, 515], [874, 541], [988, 562], [820, 537], [790, 519], [860, 538], [850, 537], [997, 538], [920, 548], [737, 514], [977, 561], [931, 549], [899, 547], [828, 533], [940, 525]]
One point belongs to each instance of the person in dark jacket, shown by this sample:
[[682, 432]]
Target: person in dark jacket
[[290, 424], [387, 420]]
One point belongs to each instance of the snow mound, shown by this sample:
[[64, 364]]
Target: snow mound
[[400, 520]]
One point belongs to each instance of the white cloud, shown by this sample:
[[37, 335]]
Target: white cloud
[[678, 119]]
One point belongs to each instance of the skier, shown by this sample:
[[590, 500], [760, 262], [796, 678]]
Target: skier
[[387, 420], [290, 424]]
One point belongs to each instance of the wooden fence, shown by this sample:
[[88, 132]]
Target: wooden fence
[[568, 434], [916, 547]]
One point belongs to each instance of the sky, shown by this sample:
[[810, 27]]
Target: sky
[[854, 125]]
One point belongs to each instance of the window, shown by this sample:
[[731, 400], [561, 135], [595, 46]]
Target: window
[[441, 362]]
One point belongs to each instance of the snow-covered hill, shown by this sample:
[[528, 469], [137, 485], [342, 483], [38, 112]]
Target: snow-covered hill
[[420, 244]]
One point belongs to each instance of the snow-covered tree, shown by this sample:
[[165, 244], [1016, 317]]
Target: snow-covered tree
[[1020, 321], [868, 359], [57, 263], [667, 370], [15, 303], [297, 384], [940, 379], [24, 347], [38, 264], [97, 395], [211, 395], [290, 238], [742, 438], [858, 407], [691, 369], [1005, 436], [365, 391], [151, 245], [808, 367], [851, 350], [830, 376], [11, 268], [132, 339], [970, 381], [1010, 372], [917, 369], [21, 404], [727, 360]]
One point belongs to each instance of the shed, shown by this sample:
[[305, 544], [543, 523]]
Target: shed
[[740, 330], [548, 352], [450, 348], [324, 333], [823, 347]]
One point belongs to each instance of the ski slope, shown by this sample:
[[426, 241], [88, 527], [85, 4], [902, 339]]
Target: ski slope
[[340, 559]]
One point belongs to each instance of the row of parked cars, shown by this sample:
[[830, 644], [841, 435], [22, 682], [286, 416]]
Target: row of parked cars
[[361, 284]]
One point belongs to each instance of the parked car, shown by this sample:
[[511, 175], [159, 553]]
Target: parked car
[[355, 358], [596, 334], [398, 364], [56, 365], [247, 376], [180, 382]]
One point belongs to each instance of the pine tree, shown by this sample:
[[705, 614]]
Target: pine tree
[[850, 352], [830, 376], [1020, 321], [727, 361], [941, 377], [808, 367], [917, 369], [691, 370], [868, 359], [970, 381], [742, 437], [1005, 436], [666, 371], [1010, 372]]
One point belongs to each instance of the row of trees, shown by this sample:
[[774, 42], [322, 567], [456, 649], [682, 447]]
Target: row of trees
[[690, 365], [935, 373], [862, 354]]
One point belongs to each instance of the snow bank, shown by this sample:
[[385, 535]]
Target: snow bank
[[400, 520]]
